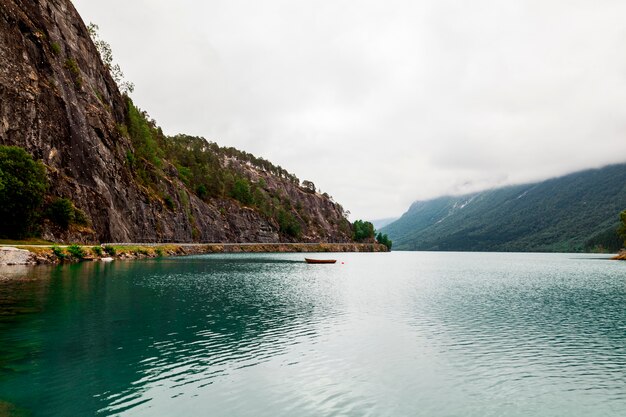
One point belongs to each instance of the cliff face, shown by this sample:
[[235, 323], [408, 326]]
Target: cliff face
[[59, 102]]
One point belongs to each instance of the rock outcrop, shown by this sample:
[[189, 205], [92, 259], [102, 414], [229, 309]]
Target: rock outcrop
[[59, 102], [14, 256]]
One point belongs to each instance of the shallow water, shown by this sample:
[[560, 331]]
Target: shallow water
[[399, 334]]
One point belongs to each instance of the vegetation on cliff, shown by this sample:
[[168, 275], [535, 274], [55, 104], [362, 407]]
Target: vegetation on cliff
[[210, 171], [112, 175], [23, 184], [364, 231], [24, 204]]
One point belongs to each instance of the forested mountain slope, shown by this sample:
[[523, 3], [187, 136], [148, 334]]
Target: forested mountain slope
[[129, 181], [561, 214]]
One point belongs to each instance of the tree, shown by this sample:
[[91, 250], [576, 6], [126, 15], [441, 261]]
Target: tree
[[23, 184], [362, 230], [61, 212], [288, 224], [106, 53], [309, 186], [241, 191], [384, 240]]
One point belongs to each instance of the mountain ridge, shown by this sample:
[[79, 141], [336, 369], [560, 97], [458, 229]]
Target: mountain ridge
[[558, 214], [59, 102]]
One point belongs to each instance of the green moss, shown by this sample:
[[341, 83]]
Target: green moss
[[59, 252], [56, 48], [72, 66]]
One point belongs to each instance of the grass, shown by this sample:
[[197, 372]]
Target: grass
[[25, 242]]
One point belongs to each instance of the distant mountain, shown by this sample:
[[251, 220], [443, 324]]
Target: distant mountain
[[380, 223], [566, 214]]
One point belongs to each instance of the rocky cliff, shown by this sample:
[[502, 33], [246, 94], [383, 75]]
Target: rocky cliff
[[59, 102]]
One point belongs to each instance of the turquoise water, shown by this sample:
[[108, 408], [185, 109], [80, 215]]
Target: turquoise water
[[399, 334]]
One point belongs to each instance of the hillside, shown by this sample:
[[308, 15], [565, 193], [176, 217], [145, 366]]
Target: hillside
[[126, 179], [562, 214]]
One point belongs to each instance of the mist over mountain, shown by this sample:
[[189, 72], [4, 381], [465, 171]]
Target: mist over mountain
[[570, 213]]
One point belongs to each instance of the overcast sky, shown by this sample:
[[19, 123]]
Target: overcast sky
[[381, 103]]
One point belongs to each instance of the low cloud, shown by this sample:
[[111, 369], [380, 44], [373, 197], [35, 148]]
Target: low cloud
[[381, 104]]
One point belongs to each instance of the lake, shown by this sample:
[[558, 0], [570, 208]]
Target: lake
[[398, 334]]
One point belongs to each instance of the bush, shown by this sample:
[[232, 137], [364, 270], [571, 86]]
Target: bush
[[80, 217], [158, 251], [23, 184], [169, 202], [61, 212], [56, 48], [110, 250], [288, 224], [97, 250], [241, 191], [72, 66], [76, 251], [384, 240], [58, 252]]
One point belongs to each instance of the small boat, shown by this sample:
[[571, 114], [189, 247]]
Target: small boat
[[320, 261]]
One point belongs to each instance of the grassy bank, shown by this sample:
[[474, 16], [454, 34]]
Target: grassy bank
[[50, 254]]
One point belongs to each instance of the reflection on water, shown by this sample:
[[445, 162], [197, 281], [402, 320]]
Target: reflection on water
[[268, 335]]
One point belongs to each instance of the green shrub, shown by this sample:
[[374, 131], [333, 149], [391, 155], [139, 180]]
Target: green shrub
[[72, 66], [80, 217], [144, 135], [76, 251], [169, 202], [58, 252], [241, 191], [110, 250], [61, 212], [158, 251], [201, 191], [97, 250], [362, 230], [288, 224], [130, 158], [56, 48], [384, 240], [23, 184]]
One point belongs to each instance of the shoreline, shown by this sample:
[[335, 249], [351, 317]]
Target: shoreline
[[621, 256], [57, 254]]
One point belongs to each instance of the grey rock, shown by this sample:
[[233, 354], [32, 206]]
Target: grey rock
[[14, 256]]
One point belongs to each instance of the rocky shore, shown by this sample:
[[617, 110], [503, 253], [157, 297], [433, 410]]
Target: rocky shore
[[621, 256], [37, 255]]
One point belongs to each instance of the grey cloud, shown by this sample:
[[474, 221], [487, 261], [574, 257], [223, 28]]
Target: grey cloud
[[382, 103]]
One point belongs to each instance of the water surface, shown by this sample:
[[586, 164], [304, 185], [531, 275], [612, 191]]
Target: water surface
[[400, 334]]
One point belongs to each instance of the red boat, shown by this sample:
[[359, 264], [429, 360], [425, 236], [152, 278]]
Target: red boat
[[320, 261]]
